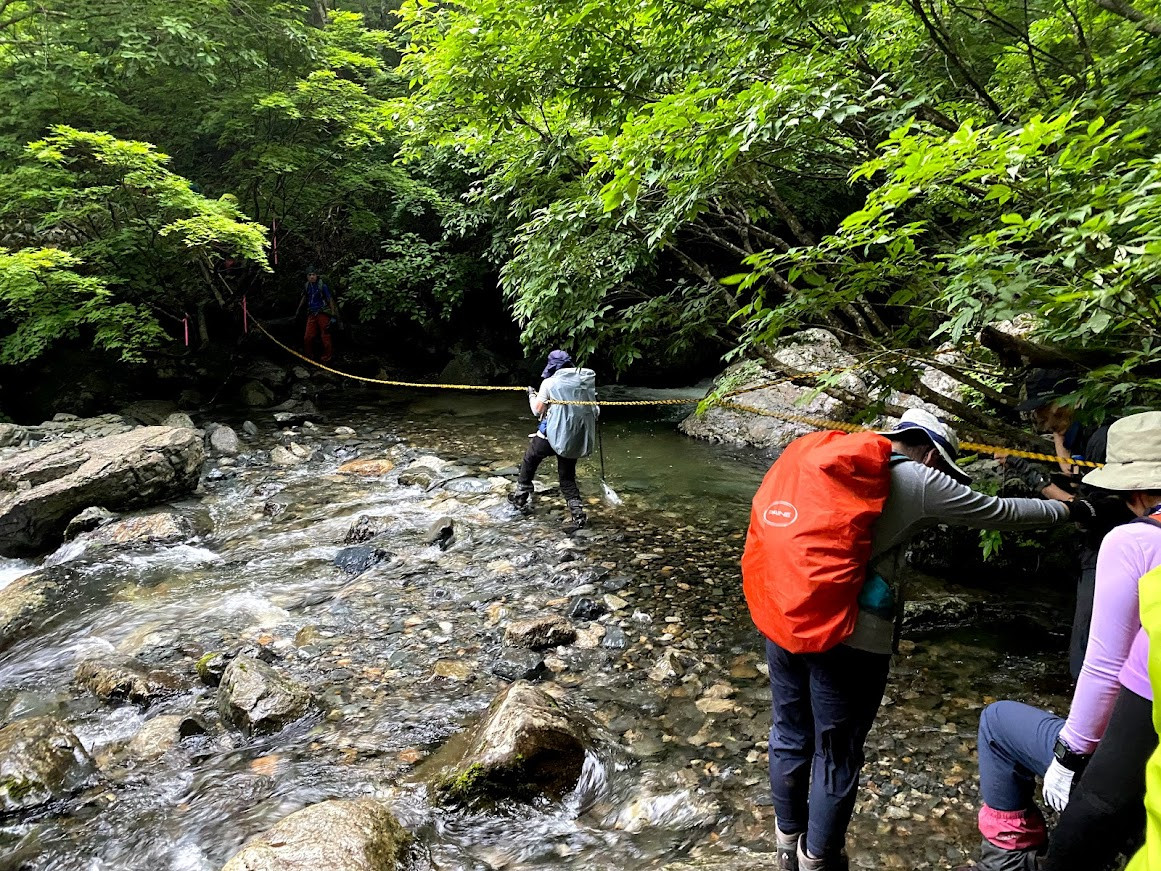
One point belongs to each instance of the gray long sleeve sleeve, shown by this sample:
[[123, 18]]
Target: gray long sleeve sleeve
[[921, 496]]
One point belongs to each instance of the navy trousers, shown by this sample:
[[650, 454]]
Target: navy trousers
[[823, 706]]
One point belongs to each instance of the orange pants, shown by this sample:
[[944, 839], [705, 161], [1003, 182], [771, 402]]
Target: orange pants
[[319, 325]]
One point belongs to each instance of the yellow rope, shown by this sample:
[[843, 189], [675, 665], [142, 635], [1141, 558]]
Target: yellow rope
[[815, 422], [823, 423]]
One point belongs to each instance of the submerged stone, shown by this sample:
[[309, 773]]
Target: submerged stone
[[338, 835], [257, 699], [122, 679], [526, 745], [40, 760]]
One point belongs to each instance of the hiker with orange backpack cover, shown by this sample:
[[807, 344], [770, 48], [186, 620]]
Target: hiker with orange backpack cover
[[828, 532]]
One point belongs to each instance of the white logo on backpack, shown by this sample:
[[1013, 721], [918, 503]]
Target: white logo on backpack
[[780, 514]]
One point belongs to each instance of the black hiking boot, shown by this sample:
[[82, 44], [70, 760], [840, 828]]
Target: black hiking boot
[[521, 501], [577, 518], [993, 858]]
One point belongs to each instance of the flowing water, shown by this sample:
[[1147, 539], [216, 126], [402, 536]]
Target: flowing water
[[400, 659]]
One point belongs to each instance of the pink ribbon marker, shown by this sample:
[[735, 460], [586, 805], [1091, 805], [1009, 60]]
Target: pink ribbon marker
[[245, 316], [185, 321]]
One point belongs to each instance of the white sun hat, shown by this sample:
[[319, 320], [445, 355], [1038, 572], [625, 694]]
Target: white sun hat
[[942, 436], [1133, 459]]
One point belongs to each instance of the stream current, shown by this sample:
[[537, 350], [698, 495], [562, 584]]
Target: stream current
[[400, 658]]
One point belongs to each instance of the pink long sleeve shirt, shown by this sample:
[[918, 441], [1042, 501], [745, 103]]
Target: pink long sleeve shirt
[[1117, 647]]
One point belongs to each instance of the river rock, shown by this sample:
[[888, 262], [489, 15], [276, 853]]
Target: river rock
[[526, 745], [157, 528], [31, 602], [40, 759], [267, 372], [161, 734], [356, 560], [366, 468], [119, 679], [179, 420], [12, 435], [256, 394], [224, 441], [365, 528], [257, 699], [539, 633], [281, 456], [586, 608], [211, 667], [417, 476], [42, 489], [442, 533], [250, 429], [519, 665], [88, 520], [338, 835], [150, 412]]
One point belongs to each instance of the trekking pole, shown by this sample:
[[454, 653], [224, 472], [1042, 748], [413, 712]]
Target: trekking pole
[[608, 492]]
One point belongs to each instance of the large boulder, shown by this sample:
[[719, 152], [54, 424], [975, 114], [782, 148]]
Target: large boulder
[[42, 489], [339, 835], [40, 760], [257, 699], [33, 601], [123, 679], [527, 745], [813, 350], [150, 412]]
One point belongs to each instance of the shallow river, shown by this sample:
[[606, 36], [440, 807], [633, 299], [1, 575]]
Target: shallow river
[[400, 658]]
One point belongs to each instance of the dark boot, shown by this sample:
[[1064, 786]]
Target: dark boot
[[521, 500], [577, 518], [786, 851], [993, 858], [806, 862]]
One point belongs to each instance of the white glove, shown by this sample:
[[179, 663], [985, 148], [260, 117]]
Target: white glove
[[1057, 786]]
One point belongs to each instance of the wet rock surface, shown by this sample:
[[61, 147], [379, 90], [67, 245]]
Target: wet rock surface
[[540, 633], [30, 603], [40, 759], [123, 679], [43, 488], [353, 835], [527, 745], [256, 698]]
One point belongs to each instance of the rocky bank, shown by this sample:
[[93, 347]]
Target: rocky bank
[[360, 657]]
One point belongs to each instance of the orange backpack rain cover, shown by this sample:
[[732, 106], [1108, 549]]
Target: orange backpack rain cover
[[810, 538]]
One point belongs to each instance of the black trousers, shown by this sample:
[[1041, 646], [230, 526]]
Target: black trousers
[[1085, 592], [1106, 813], [538, 451]]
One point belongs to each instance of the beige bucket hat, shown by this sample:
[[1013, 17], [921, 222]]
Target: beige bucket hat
[[1133, 461]]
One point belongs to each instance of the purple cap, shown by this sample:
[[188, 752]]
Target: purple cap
[[556, 360]]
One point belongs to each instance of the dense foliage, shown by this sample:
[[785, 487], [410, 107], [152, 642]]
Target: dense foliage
[[902, 172], [648, 179], [276, 118]]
